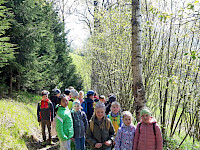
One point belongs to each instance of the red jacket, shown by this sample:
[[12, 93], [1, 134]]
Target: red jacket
[[45, 110], [146, 139]]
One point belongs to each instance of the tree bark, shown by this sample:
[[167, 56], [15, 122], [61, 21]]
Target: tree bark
[[11, 82], [138, 87]]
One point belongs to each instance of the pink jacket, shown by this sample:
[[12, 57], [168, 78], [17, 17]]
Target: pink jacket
[[146, 140]]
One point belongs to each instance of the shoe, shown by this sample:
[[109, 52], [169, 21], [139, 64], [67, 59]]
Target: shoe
[[49, 142], [44, 143]]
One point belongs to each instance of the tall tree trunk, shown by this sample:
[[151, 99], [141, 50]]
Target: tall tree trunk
[[138, 88], [94, 76]]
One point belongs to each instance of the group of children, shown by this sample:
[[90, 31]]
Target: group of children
[[101, 130]]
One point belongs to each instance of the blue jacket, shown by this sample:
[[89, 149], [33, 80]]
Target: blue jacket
[[90, 108]]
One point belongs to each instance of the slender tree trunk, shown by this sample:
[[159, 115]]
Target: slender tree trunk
[[138, 88], [11, 82], [94, 76]]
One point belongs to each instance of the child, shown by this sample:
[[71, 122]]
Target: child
[[111, 99], [64, 124], [80, 124], [74, 95], [101, 132], [81, 96], [67, 93], [125, 134], [45, 114], [147, 135], [88, 104], [54, 98], [102, 99], [115, 115]]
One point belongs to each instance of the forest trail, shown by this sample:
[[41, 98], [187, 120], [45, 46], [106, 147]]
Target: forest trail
[[34, 142]]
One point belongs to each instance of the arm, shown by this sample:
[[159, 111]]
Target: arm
[[60, 130], [89, 138], [159, 140], [118, 139], [38, 113], [52, 111], [111, 132], [136, 138], [85, 120]]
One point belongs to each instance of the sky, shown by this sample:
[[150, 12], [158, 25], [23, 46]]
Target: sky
[[78, 31]]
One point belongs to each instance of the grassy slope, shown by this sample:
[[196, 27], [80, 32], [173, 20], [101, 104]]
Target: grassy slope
[[18, 121], [83, 68]]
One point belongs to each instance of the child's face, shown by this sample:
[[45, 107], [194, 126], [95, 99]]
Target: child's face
[[44, 97], [58, 95], [80, 94], [100, 112], [91, 97], [102, 100], [127, 120], [64, 102], [145, 118], [76, 107], [115, 109]]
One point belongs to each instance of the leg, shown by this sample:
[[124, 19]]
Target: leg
[[77, 143], [65, 145], [49, 130], [43, 130], [82, 142]]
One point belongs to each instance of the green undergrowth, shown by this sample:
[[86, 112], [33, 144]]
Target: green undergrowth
[[188, 144], [83, 68], [17, 122], [26, 97]]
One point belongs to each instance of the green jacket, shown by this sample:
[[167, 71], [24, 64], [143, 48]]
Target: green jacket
[[64, 124], [99, 135], [70, 104]]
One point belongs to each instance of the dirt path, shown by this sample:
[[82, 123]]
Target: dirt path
[[34, 142]]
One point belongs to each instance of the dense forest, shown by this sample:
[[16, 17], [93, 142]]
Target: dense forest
[[34, 48], [35, 55]]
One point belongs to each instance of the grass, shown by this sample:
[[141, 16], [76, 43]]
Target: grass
[[83, 68], [172, 143], [18, 120]]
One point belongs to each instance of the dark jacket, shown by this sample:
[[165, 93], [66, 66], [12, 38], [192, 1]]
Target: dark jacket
[[54, 100], [80, 123], [99, 135], [108, 105], [45, 110], [90, 108]]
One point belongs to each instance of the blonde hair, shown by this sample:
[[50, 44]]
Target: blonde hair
[[80, 92], [126, 113], [105, 120], [76, 102], [115, 103]]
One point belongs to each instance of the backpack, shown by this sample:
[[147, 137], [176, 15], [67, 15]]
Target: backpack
[[154, 129], [84, 106]]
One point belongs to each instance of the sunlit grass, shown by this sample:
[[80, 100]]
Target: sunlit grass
[[83, 67], [17, 122]]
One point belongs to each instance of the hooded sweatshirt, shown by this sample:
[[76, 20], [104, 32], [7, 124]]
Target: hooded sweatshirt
[[145, 139]]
